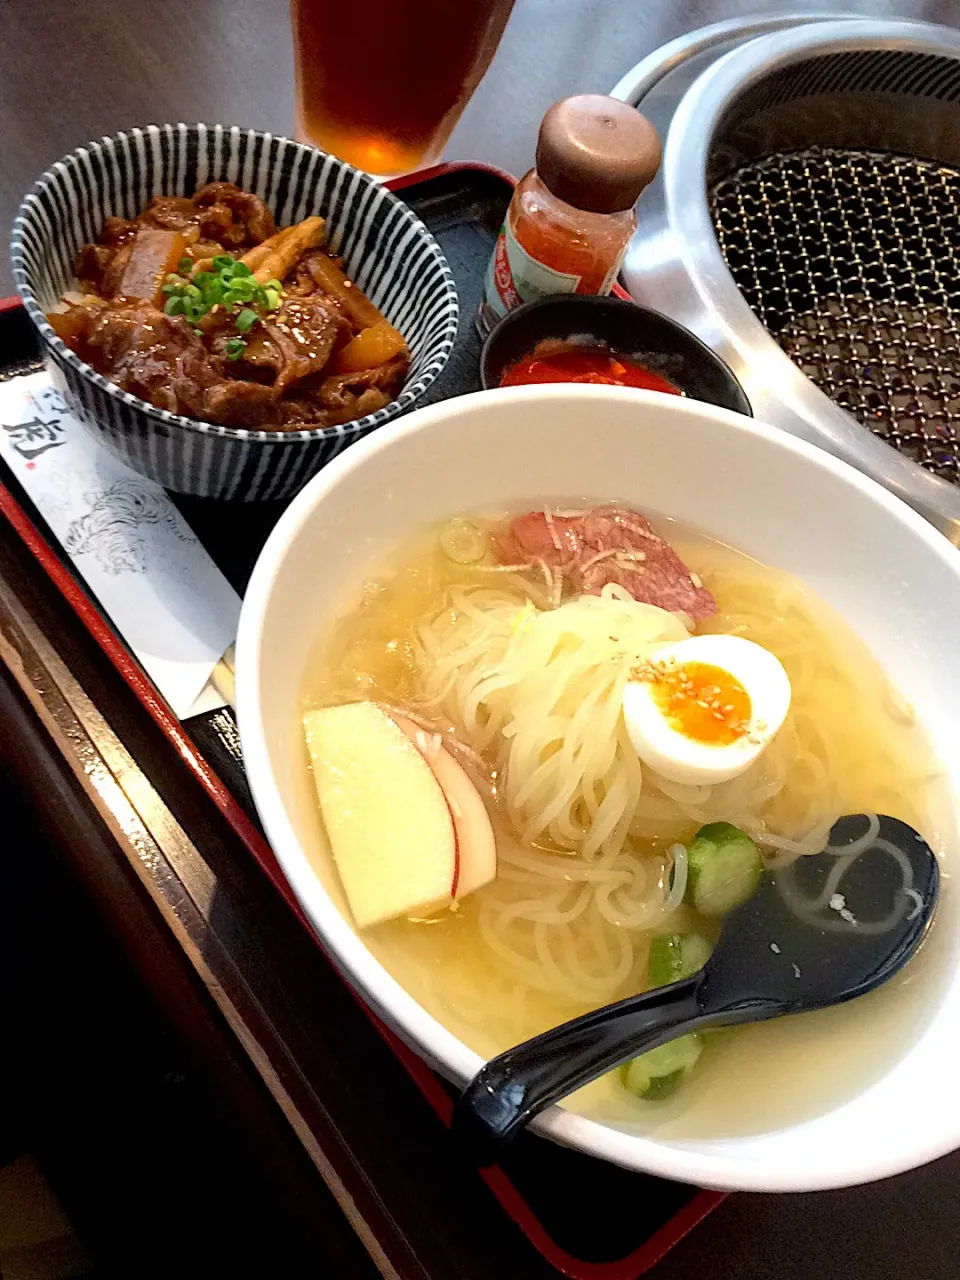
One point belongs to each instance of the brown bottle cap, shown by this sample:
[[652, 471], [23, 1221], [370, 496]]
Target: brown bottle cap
[[597, 153]]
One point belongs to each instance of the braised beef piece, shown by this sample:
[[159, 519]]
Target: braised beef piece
[[117, 231], [161, 359], [248, 210], [236, 403], [337, 391], [149, 354], [224, 215], [94, 265], [343, 397], [169, 213], [297, 341], [93, 261]]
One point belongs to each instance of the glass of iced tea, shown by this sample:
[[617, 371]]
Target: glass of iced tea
[[382, 83]]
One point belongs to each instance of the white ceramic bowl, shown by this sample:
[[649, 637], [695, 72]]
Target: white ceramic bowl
[[891, 575]]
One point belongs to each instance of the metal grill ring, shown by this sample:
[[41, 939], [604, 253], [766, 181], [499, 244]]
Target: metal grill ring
[[851, 260]]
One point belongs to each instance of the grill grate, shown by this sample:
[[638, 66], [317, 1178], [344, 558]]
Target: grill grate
[[851, 259]]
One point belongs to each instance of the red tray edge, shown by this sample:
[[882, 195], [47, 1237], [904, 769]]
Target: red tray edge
[[672, 1231]]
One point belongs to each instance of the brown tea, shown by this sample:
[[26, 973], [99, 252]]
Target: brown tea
[[382, 84]]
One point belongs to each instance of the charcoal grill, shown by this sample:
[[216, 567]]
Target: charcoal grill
[[806, 224]]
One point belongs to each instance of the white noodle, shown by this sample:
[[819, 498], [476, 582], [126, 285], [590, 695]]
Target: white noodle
[[554, 536], [829, 903], [678, 853], [588, 839]]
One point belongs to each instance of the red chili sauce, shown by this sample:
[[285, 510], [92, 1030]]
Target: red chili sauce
[[571, 362]]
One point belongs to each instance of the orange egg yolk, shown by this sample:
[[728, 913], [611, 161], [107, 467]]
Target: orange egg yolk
[[701, 701]]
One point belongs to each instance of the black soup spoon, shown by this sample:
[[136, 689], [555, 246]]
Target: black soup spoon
[[827, 928]]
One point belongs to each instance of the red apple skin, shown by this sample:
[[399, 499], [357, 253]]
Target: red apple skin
[[476, 860]]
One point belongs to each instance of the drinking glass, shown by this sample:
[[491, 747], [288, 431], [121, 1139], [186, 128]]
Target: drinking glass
[[381, 83]]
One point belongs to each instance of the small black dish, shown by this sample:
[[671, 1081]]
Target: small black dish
[[628, 329]]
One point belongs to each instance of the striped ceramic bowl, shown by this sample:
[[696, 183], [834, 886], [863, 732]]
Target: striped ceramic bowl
[[386, 249]]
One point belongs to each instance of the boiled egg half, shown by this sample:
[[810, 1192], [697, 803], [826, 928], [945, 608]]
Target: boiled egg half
[[702, 710]]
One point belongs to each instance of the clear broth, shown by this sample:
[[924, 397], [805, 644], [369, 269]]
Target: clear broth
[[748, 1080]]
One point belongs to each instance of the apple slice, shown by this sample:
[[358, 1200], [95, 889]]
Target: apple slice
[[389, 824], [476, 844]]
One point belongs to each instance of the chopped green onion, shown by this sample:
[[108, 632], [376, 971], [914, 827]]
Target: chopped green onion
[[235, 348], [658, 1072], [674, 956], [244, 290], [185, 264], [723, 869], [231, 285]]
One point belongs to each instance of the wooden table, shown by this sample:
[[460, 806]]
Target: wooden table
[[151, 850]]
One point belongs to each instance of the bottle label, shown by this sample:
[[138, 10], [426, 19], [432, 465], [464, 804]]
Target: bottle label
[[515, 276]]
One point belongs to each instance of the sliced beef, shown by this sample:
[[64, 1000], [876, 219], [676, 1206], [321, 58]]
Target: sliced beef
[[247, 211], [92, 264], [300, 413], [149, 354], [117, 231], [219, 213], [346, 396], [604, 545], [160, 358], [169, 213], [296, 343], [236, 403]]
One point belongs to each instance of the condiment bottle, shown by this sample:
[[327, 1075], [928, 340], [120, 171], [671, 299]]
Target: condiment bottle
[[571, 217]]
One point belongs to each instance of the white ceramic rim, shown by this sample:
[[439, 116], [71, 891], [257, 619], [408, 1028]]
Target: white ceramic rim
[[385, 995]]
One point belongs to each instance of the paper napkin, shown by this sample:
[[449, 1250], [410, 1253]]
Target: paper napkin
[[126, 539]]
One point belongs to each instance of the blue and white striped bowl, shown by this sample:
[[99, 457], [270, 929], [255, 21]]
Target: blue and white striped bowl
[[386, 249]]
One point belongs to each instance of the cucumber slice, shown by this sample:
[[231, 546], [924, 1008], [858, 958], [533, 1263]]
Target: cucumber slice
[[674, 956], [661, 1087], [647, 1076], [723, 869]]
